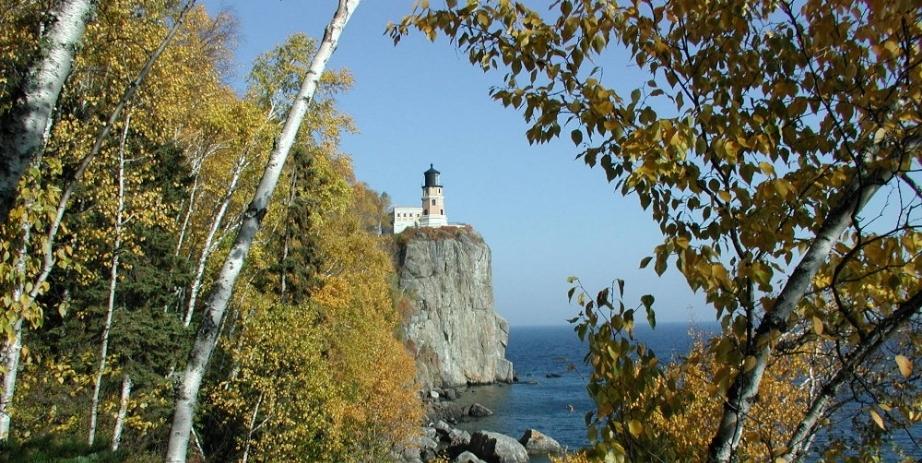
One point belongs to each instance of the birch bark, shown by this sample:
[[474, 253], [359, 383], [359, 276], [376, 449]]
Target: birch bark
[[196, 174], [77, 178], [122, 412], [799, 442], [745, 388], [113, 282], [216, 305], [12, 350], [208, 246], [23, 129]]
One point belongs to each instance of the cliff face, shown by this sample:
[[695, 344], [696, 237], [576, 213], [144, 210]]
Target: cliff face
[[456, 336]]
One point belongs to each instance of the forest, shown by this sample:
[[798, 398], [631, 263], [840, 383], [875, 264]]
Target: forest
[[193, 273]]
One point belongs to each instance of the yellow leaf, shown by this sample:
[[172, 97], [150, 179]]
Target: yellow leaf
[[749, 364], [904, 364], [878, 420], [724, 195], [818, 325], [879, 135], [635, 427]]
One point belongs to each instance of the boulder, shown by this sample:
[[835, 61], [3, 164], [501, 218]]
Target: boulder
[[536, 443], [467, 457], [458, 438], [478, 411], [428, 448], [451, 394], [497, 448], [442, 427]]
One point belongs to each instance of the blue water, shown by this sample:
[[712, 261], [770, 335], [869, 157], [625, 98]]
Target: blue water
[[556, 406]]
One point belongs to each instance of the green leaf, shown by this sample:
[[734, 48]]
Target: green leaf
[[647, 300], [645, 262], [576, 136]]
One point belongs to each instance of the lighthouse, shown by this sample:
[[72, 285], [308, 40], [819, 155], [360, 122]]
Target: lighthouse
[[431, 214], [433, 201]]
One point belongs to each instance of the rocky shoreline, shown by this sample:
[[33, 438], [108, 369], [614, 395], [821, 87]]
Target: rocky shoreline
[[440, 440]]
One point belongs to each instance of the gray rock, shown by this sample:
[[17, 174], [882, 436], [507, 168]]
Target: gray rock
[[451, 394], [467, 457], [537, 443], [442, 427], [430, 433], [428, 447], [497, 448], [455, 334], [458, 438], [479, 411], [407, 455]]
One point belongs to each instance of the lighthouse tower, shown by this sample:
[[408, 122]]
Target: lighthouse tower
[[433, 201]]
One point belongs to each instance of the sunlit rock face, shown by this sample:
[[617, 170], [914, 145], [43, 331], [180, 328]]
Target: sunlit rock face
[[455, 334]]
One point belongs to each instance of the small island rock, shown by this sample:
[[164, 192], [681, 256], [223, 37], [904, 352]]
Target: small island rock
[[479, 411]]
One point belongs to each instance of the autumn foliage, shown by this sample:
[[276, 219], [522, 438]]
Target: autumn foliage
[[309, 366]]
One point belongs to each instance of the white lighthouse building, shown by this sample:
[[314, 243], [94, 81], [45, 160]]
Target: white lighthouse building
[[431, 214]]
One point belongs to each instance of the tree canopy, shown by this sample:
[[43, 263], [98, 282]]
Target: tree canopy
[[776, 144]]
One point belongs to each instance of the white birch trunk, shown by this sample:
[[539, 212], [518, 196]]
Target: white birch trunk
[[11, 354], [256, 211], [246, 449], [800, 441], [742, 393], [22, 132], [127, 96], [196, 172], [291, 198], [113, 281], [208, 246], [12, 349], [122, 412]]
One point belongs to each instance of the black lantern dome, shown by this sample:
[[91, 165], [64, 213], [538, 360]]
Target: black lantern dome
[[432, 177]]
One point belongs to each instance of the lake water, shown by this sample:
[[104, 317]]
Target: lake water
[[556, 406]]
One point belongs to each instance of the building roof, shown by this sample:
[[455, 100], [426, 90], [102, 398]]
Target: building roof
[[432, 170]]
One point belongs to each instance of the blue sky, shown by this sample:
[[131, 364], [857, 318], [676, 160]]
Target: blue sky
[[544, 214]]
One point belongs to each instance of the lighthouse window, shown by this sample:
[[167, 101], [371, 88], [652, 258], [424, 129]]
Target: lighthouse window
[[442, 211], [433, 202]]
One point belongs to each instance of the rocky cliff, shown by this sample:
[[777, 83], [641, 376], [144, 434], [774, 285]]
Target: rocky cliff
[[456, 336]]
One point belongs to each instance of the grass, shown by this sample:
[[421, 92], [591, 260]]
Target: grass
[[55, 449]]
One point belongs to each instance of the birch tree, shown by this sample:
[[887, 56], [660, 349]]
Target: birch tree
[[760, 144], [26, 124], [122, 411], [113, 283], [223, 287], [208, 245], [35, 281]]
